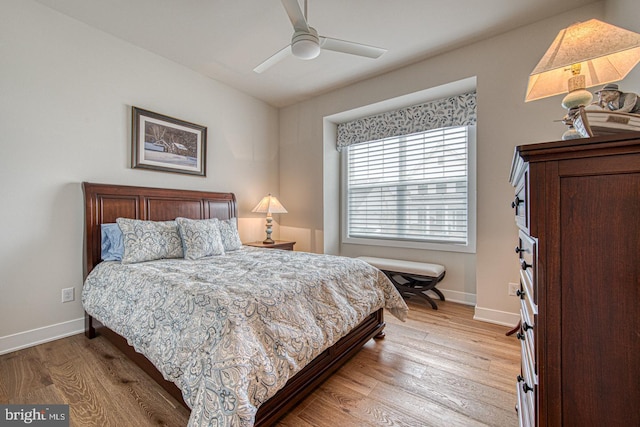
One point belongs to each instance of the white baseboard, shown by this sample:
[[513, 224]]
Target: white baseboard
[[498, 317], [37, 336], [457, 296]]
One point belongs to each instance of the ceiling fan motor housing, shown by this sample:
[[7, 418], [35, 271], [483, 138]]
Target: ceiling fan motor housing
[[305, 45]]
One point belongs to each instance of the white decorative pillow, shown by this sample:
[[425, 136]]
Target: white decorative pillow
[[229, 232], [149, 240], [200, 237]]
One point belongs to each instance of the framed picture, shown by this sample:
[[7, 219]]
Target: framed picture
[[166, 144]]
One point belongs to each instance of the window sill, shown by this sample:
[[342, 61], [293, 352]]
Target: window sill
[[444, 247]]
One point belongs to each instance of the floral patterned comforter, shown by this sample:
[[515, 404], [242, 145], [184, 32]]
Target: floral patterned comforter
[[230, 330]]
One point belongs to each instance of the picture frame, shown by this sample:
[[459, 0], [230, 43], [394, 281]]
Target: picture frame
[[167, 144]]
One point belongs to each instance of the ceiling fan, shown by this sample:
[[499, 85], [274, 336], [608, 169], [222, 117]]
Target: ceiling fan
[[306, 43]]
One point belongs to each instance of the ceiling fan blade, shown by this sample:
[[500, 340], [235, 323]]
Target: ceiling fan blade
[[273, 59], [352, 48], [295, 15]]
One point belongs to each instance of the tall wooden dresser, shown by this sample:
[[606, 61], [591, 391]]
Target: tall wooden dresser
[[577, 206]]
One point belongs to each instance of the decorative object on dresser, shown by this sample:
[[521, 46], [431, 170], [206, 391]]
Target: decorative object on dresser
[[277, 244], [576, 207], [166, 144], [611, 98], [583, 55], [269, 205], [597, 122], [614, 112]]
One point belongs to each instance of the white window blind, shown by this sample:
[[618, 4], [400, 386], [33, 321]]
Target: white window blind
[[410, 188]]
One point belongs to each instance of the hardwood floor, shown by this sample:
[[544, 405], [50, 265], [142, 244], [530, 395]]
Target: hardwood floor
[[440, 368]]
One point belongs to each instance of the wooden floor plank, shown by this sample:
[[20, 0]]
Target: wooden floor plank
[[429, 411], [323, 412], [386, 406], [135, 390], [4, 396], [294, 421], [49, 394], [439, 368], [81, 388], [469, 365], [357, 382], [437, 400], [22, 372]]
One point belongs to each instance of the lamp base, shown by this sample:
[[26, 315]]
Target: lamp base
[[269, 229], [568, 120], [577, 98], [571, 133]]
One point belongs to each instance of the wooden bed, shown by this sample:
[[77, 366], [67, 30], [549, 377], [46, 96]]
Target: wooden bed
[[104, 203]]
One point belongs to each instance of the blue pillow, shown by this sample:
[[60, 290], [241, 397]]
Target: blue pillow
[[112, 244]]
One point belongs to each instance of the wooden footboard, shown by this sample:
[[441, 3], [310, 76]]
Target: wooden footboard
[[295, 390]]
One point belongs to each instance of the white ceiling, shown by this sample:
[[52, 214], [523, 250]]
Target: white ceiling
[[226, 39]]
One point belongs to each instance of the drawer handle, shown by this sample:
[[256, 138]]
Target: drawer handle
[[517, 201], [520, 378], [524, 264], [526, 388], [526, 326], [519, 249], [520, 336], [520, 293]]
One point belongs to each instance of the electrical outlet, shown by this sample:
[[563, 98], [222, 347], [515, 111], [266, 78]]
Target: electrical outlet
[[68, 294], [513, 289]]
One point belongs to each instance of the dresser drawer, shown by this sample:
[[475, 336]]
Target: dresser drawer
[[527, 343], [525, 293], [526, 407], [527, 379], [528, 259], [520, 201]]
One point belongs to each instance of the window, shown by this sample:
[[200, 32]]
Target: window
[[413, 190]]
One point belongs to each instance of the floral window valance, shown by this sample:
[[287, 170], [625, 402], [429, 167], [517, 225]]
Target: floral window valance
[[459, 110]]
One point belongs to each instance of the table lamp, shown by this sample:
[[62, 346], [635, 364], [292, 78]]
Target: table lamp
[[269, 205], [583, 55]]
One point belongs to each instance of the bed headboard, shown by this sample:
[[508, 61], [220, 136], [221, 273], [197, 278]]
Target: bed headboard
[[103, 203]]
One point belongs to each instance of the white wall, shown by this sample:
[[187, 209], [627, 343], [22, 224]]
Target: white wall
[[502, 65], [626, 14], [66, 92]]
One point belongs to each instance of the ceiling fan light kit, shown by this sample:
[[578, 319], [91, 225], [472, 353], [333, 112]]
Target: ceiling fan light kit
[[305, 44]]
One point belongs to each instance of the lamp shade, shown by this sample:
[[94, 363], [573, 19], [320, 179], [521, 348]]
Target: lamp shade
[[600, 52], [269, 205]]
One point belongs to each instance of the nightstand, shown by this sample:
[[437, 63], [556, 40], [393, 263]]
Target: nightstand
[[278, 244]]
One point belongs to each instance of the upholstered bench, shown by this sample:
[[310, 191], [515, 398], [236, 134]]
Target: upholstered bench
[[417, 277]]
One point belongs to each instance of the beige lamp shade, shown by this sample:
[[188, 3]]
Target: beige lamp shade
[[269, 205], [600, 52]]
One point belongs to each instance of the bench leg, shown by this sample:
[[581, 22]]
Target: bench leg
[[414, 287], [428, 298], [437, 291]]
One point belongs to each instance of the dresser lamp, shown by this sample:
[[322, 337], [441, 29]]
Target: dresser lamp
[[269, 205], [583, 55]]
